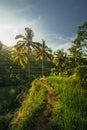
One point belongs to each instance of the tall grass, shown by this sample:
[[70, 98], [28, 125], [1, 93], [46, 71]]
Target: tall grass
[[32, 105], [70, 109]]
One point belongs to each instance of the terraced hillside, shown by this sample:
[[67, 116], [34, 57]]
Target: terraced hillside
[[53, 103]]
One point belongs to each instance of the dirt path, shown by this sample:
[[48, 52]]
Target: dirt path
[[50, 98], [42, 122]]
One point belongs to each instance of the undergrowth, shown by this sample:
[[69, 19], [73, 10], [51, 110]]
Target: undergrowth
[[7, 98]]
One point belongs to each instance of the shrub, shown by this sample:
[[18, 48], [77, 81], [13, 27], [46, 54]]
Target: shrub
[[81, 73], [4, 121]]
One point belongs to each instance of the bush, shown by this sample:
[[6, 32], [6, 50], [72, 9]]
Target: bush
[[81, 73], [4, 121]]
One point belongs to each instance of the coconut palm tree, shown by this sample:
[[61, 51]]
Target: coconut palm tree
[[60, 59], [20, 58], [79, 48], [26, 42], [43, 52], [59, 56]]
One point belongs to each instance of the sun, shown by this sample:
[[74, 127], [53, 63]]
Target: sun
[[7, 36]]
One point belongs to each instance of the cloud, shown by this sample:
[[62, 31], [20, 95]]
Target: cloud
[[11, 25], [56, 41]]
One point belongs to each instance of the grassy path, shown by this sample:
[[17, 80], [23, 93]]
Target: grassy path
[[50, 97], [42, 121]]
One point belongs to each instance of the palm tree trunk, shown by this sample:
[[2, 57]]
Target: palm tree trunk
[[42, 66], [28, 61], [18, 76]]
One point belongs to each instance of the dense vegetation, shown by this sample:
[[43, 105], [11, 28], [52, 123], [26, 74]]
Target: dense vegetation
[[69, 112], [32, 76]]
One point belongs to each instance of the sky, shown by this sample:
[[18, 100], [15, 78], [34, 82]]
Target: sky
[[55, 21]]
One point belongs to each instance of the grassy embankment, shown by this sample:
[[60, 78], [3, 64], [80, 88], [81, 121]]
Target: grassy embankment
[[68, 113], [34, 103], [70, 109]]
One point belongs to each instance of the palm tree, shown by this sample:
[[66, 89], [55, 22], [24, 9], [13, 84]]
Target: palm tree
[[20, 58], [26, 42], [60, 59], [42, 52], [59, 56], [79, 48]]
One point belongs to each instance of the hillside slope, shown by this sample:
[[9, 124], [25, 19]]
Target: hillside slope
[[51, 104], [35, 109]]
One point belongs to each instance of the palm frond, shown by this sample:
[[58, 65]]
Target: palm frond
[[19, 47], [19, 36], [39, 56], [15, 59], [37, 43], [29, 33], [49, 56], [20, 42], [49, 50]]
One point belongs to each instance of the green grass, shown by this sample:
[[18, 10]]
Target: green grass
[[70, 109], [31, 107]]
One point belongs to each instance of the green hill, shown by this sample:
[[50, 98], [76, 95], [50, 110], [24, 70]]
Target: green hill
[[53, 103]]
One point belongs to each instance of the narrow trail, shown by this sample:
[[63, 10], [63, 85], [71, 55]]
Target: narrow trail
[[50, 98], [42, 122]]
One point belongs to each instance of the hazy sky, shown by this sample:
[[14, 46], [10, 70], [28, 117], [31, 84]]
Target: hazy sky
[[55, 21]]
